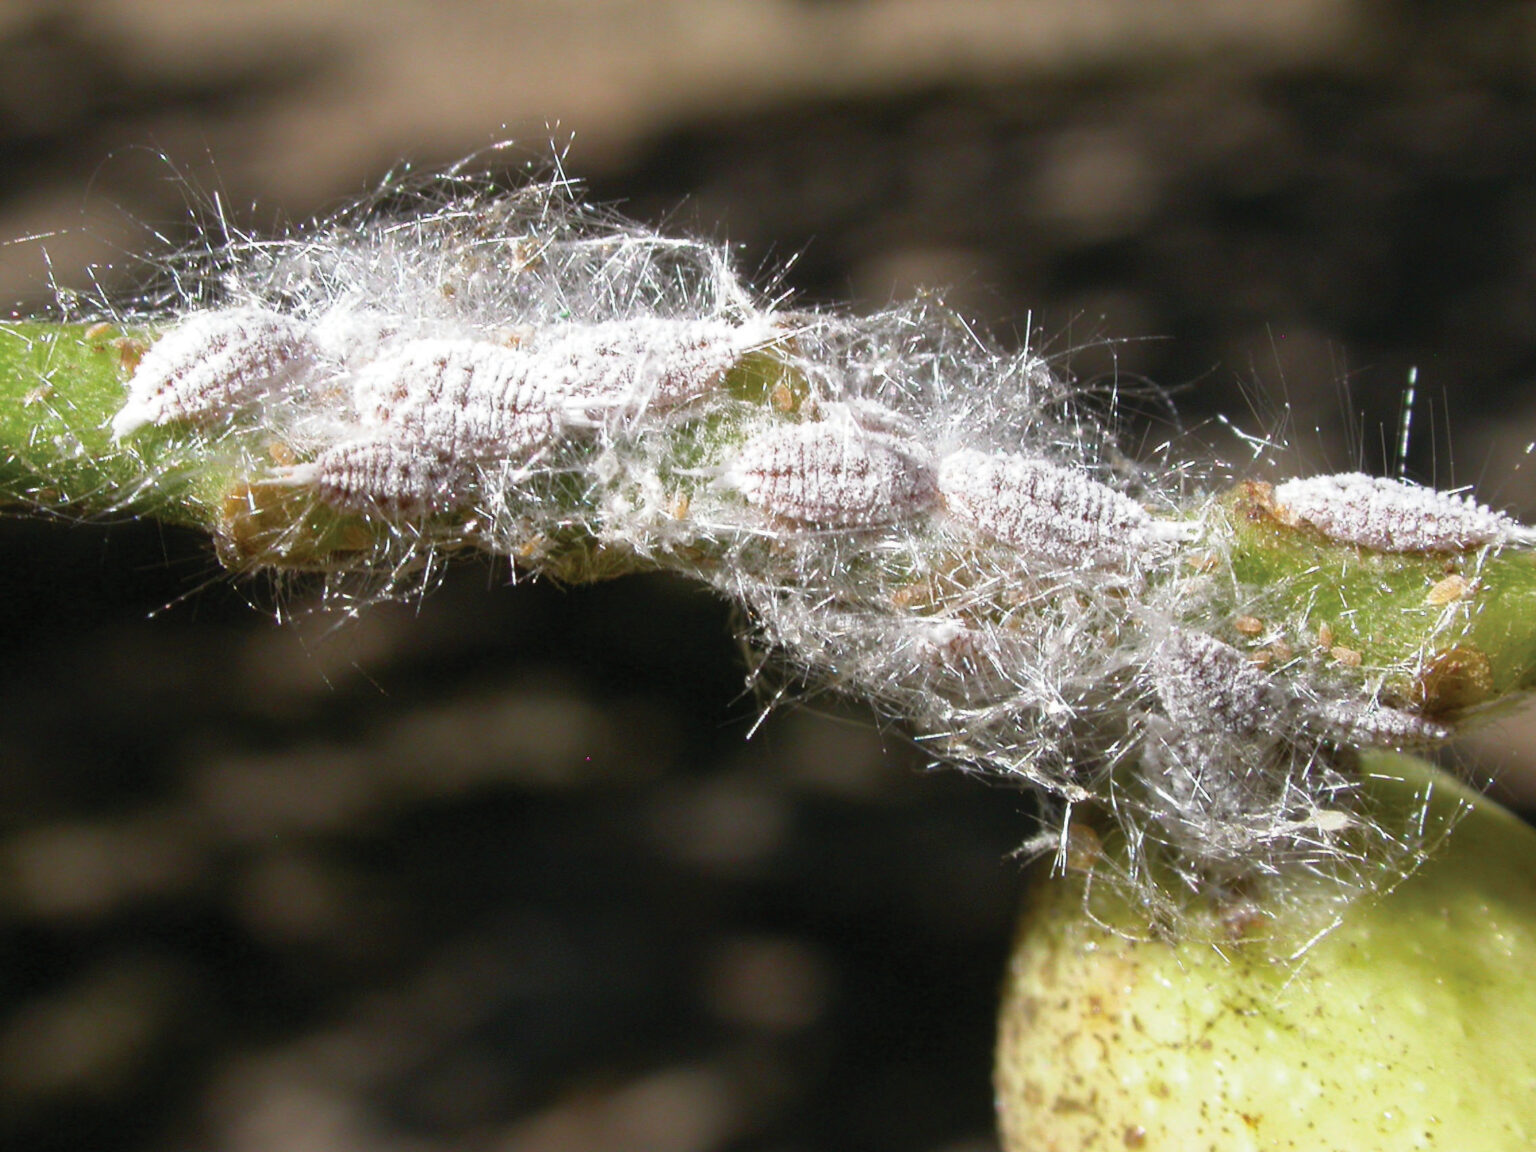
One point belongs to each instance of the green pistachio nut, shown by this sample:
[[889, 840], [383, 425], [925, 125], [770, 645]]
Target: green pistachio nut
[[1410, 1025]]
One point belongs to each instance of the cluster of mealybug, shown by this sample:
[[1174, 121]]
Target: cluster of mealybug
[[907, 512]]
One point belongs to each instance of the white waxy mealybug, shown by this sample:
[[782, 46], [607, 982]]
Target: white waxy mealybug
[[1051, 514], [460, 399], [1390, 515], [213, 364], [476, 404], [649, 363], [493, 402], [834, 473], [374, 475], [1375, 724], [1203, 759], [1207, 686]]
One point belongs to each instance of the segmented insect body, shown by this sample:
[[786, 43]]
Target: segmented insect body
[[1205, 685], [834, 473], [1390, 515], [645, 364], [1362, 724], [431, 411], [1049, 513], [1210, 760], [212, 365], [374, 475], [459, 399]]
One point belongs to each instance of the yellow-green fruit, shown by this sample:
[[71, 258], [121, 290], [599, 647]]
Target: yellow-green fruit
[[1412, 1025]]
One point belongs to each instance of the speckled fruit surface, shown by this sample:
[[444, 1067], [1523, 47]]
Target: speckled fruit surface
[[1412, 1025]]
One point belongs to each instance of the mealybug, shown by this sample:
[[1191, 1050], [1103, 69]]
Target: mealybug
[[212, 365], [631, 366], [834, 473], [1207, 686], [373, 475], [1051, 514], [459, 399], [1390, 515]]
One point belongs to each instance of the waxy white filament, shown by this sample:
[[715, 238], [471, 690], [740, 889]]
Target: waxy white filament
[[904, 510]]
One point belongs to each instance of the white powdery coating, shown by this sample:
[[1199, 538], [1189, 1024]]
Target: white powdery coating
[[1206, 686], [1391, 515], [460, 399], [213, 364], [373, 475], [1374, 724], [648, 363], [835, 474], [1051, 514]]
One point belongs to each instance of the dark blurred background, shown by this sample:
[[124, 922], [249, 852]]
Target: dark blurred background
[[499, 871]]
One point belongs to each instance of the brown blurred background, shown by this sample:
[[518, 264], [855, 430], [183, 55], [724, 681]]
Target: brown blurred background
[[498, 871]]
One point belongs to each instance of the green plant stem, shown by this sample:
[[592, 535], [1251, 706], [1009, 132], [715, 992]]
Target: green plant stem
[[1295, 595]]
